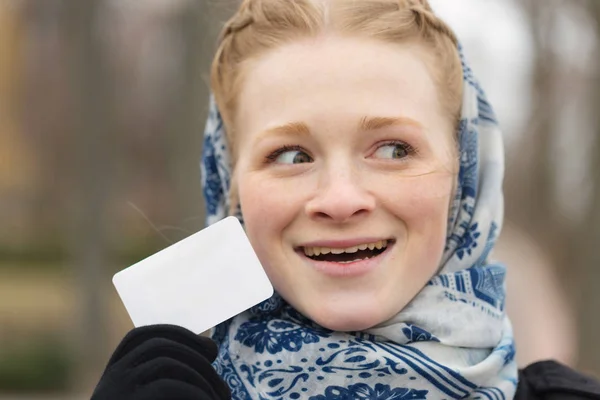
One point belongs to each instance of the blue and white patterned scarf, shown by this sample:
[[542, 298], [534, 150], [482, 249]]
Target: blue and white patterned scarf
[[452, 341]]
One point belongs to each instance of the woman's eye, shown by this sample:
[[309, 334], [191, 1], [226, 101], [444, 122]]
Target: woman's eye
[[393, 151], [293, 157]]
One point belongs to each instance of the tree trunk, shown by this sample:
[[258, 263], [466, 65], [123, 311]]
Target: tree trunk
[[92, 130], [187, 120]]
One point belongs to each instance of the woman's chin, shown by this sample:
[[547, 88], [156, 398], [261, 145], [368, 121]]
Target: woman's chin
[[347, 325], [347, 318]]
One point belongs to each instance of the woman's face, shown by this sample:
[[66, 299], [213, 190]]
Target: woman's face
[[345, 175]]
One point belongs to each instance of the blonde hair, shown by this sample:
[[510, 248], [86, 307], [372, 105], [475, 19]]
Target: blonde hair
[[261, 25]]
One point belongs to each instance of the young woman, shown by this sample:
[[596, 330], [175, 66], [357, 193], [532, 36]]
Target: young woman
[[367, 165]]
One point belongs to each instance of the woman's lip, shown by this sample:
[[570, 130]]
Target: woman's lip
[[344, 243], [347, 270]]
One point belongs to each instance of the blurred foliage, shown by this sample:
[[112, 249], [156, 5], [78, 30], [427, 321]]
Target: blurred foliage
[[55, 255], [38, 364]]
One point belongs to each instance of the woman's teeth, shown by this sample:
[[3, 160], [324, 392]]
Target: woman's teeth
[[316, 251]]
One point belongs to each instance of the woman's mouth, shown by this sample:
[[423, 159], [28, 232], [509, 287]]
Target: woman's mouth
[[346, 259], [346, 255]]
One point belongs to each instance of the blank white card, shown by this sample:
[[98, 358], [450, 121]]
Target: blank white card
[[196, 283]]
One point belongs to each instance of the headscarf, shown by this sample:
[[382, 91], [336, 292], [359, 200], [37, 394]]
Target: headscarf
[[453, 340]]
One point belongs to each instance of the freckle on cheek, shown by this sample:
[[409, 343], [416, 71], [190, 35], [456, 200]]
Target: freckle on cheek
[[257, 206], [424, 190]]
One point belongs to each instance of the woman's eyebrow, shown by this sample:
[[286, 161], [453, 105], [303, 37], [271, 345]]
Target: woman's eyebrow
[[368, 123], [290, 129]]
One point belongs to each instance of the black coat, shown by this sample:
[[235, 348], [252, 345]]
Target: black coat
[[549, 380]]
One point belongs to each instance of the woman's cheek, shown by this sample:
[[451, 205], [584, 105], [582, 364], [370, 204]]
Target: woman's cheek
[[262, 210], [263, 197], [422, 203], [420, 192], [269, 205]]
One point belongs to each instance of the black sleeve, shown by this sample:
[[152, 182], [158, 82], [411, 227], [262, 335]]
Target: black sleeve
[[550, 380]]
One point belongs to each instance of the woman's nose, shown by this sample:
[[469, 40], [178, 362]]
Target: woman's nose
[[341, 195]]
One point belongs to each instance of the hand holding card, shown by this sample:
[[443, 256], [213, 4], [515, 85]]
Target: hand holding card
[[162, 362], [196, 283]]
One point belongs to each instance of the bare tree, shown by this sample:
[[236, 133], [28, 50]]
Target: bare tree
[[93, 132], [187, 121], [531, 183], [530, 179]]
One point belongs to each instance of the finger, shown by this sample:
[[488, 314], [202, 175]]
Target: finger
[[164, 348], [170, 389], [136, 337], [167, 368], [159, 347]]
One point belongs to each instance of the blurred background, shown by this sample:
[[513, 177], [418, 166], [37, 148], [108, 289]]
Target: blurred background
[[102, 108]]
